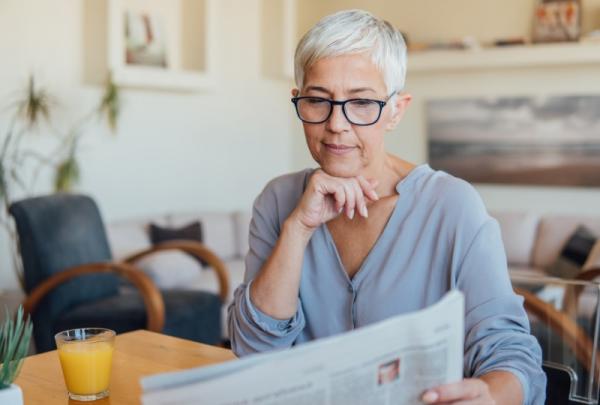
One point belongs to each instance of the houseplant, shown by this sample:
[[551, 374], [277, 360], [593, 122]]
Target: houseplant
[[21, 162], [15, 335]]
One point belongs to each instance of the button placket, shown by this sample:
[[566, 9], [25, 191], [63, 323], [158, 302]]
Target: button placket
[[352, 291]]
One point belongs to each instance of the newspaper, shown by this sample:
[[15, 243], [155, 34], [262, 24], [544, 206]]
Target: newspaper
[[390, 362]]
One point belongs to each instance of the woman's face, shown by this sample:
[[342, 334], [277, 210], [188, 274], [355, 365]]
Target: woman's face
[[339, 147]]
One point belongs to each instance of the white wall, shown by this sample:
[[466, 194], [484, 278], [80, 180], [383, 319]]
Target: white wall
[[431, 20], [211, 150]]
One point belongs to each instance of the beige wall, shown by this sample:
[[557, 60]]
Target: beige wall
[[485, 20]]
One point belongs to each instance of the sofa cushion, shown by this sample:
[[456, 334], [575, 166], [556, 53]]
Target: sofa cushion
[[170, 269], [519, 231], [593, 259], [219, 231], [524, 271], [553, 233], [574, 254], [189, 232]]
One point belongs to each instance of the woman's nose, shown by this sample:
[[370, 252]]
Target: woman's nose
[[337, 122]]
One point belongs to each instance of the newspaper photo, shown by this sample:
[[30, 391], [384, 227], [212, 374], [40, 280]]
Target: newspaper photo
[[390, 362]]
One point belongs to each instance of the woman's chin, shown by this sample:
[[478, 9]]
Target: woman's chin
[[340, 170]]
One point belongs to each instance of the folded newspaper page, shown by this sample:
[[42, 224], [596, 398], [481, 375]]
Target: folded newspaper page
[[390, 362]]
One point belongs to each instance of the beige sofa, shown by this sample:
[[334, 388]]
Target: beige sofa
[[533, 242]]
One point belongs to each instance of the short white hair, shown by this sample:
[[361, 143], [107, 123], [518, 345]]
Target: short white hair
[[350, 32]]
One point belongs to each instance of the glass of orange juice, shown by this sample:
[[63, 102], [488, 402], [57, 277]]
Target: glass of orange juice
[[86, 357]]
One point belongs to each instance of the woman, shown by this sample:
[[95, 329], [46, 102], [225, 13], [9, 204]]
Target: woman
[[369, 235]]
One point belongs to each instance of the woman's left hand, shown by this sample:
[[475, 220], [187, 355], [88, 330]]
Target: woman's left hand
[[470, 391]]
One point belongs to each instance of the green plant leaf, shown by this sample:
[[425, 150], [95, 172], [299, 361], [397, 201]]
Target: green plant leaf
[[35, 105], [110, 105], [67, 174], [15, 335], [2, 181]]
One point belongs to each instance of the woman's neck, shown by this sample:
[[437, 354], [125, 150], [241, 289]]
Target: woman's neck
[[388, 172]]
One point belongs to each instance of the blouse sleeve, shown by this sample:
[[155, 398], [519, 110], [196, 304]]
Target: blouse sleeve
[[497, 335], [250, 329]]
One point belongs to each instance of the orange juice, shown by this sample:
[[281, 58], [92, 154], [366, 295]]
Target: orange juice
[[86, 366], [86, 357]]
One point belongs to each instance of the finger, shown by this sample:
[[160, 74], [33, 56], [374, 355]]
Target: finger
[[361, 204], [337, 191], [463, 390], [350, 199], [367, 188]]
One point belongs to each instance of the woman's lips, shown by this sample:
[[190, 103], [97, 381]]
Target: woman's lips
[[338, 149]]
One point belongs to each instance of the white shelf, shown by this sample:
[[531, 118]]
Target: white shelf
[[547, 55], [161, 79]]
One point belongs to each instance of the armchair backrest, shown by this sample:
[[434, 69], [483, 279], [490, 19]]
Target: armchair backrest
[[57, 232]]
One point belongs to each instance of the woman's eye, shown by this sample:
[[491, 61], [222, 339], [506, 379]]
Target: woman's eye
[[362, 103], [315, 100]]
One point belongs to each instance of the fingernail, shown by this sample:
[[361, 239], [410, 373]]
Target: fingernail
[[351, 214], [430, 396], [376, 195], [364, 212]]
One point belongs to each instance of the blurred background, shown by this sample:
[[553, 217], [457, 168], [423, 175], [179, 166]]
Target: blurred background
[[155, 109]]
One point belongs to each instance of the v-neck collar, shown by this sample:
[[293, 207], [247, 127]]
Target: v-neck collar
[[364, 266]]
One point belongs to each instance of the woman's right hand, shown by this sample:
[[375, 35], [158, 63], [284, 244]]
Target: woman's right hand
[[326, 197]]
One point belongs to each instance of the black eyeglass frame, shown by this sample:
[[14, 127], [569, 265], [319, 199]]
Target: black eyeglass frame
[[342, 103]]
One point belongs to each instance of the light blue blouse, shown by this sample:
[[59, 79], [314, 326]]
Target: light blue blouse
[[439, 237]]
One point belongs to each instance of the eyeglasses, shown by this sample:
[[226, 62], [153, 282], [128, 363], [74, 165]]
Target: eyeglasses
[[358, 111]]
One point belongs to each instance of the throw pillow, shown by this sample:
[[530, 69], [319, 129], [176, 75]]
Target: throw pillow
[[192, 231], [574, 254]]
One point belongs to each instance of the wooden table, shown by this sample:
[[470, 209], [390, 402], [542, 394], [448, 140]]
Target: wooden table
[[137, 354]]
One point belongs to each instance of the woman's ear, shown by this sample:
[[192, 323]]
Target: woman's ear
[[295, 92], [401, 103]]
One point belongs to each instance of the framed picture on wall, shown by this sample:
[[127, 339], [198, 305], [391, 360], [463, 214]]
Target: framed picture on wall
[[162, 44], [550, 140], [145, 42], [557, 21]]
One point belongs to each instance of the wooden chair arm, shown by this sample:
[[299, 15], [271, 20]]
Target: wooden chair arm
[[575, 337], [588, 275], [153, 301], [195, 249]]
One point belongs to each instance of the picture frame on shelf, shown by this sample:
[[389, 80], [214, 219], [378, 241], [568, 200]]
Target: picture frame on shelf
[[557, 21], [163, 44]]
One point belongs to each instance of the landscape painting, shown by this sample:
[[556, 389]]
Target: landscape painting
[[552, 141]]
